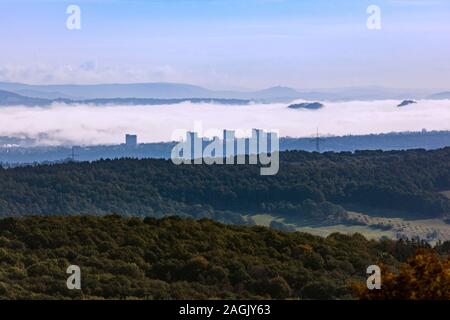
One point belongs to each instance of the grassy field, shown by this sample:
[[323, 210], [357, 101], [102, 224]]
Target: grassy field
[[372, 227], [373, 224], [323, 231], [427, 229], [368, 232], [446, 193]]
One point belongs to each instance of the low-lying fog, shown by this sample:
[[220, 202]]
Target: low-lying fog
[[88, 124]]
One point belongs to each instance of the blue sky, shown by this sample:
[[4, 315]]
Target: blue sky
[[228, 43]]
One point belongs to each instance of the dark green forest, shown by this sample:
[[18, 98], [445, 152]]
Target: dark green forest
[[176, 258], [308, 186], [110, 218]]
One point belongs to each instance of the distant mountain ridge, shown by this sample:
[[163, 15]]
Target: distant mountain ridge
[[143, 91], [12, 99], [162, 90], [440, 95]]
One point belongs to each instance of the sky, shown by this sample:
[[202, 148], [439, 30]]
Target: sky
[[228, 44]]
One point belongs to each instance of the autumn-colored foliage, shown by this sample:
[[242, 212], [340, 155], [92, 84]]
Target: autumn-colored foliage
[[425, 276]]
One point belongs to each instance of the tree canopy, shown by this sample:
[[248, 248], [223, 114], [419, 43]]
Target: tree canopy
[[308, 185], [175, 258]]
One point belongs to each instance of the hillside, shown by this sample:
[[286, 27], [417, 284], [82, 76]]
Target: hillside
[[165, 90], [306, 105], [156, 90], [440, 95], [181, 259], [309, 186], [12, 99]]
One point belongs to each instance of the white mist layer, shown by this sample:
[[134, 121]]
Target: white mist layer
[[89, 125]]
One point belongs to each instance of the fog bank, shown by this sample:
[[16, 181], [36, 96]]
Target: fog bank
[[88, 125]]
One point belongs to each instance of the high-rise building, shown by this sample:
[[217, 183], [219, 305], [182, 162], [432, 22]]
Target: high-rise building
[[131, 140], [272, 142], [254, 147], [229, 144], [194, 147]]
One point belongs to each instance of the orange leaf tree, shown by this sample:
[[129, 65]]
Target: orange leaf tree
[[425, 276]]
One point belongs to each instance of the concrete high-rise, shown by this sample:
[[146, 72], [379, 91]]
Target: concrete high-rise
[[131, 140]]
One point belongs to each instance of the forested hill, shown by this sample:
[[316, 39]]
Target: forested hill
[[174, 258], [309, 185]]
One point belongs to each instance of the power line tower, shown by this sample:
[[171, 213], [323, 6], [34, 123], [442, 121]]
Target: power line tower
[[73, 154], [318, 140]]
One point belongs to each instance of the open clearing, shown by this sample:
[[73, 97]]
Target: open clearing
[[427, 229], [368, 232], [372, 227], [446, 193]]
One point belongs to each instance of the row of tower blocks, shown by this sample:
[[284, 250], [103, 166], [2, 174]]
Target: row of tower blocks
[[260, 142]]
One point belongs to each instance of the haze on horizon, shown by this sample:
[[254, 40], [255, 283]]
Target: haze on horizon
[[83, 124], [228, 44]]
